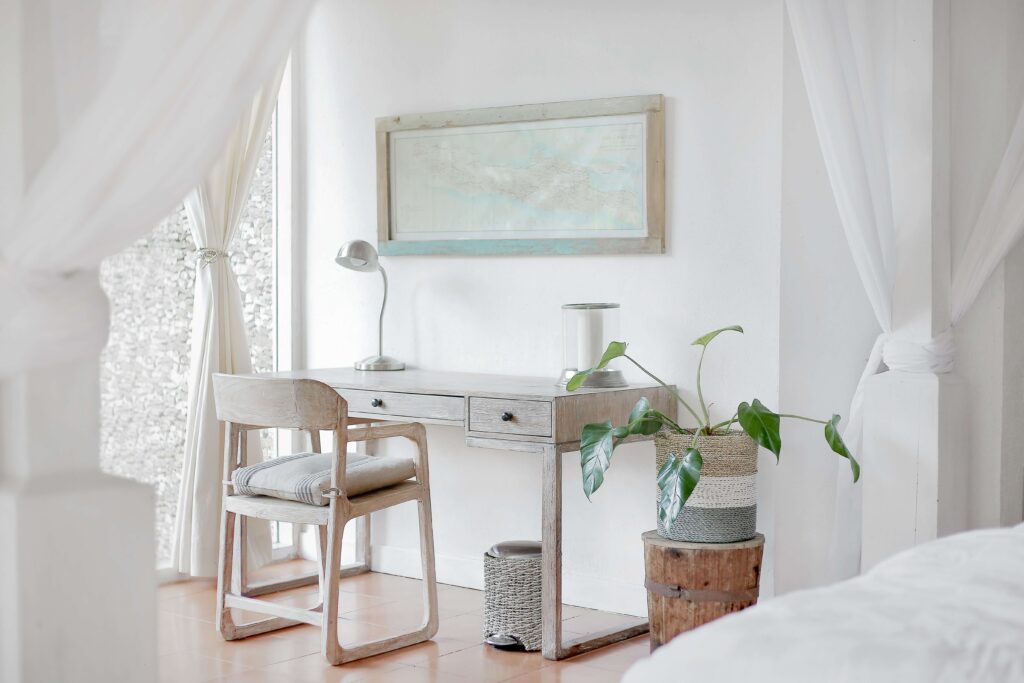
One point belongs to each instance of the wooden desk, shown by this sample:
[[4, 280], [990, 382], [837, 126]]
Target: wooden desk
[[526, 414]]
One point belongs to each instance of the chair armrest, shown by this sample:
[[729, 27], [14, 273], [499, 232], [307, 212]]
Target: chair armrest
[[385, 430], [414, 431]]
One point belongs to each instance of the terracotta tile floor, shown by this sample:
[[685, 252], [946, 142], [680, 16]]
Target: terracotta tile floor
[[373, 606]]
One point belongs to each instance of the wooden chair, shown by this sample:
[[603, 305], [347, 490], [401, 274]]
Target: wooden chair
[[248, 403]]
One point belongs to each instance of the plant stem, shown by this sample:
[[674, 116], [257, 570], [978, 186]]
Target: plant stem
[[805, 419], [726, 423], [700, 423], [700, 393], [666, 418]]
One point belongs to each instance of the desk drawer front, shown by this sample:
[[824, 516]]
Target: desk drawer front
[[509, 416], [385, 403]]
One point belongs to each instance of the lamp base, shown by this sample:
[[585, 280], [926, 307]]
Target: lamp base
[[380, 363], [567, 374], [605, 378]]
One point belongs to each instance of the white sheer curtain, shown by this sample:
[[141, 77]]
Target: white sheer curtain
[[847, 117], [126, 135], [998, 228], [219, 343]]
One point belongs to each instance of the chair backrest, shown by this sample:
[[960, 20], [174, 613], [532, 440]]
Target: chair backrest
[[265, 402]]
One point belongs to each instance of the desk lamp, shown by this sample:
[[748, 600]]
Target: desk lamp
[[361, 256]]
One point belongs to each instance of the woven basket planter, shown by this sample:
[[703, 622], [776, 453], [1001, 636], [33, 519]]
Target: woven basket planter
[[512, 598], [723, 506]]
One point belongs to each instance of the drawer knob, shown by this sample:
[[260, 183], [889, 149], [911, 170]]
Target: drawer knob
[[506, 417], [376, 403]]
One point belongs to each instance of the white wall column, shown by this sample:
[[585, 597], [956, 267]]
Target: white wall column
[[915, 427], [987, 92], [1008, 476], [77, 576]]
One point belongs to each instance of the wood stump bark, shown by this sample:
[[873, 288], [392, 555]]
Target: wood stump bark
[[690, 584]]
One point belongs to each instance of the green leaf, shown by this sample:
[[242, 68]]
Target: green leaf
[[596, 454], [644, 420], [835, 442], [576, 381], [761, 424], [706, 339], [676, 480], [649, 425], [598, 442], [615, 350], [642, 407]]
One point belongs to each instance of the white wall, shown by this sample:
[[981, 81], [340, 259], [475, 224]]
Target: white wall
[[987, 63], [720, 67]]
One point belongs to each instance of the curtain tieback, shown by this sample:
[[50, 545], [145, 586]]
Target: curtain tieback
[[207, 256], [902, 355], [909, 355]]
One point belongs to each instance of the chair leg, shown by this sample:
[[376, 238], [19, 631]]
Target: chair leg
[[225, 624], [428, 629], [331, 588], [226, 576], [240, 556], [430, 616], [333, 650], [321, 534], [364, 542]]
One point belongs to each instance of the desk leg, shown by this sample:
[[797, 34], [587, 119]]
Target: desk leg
[[551, 588], [551, 540], [364, 538], [364, 545]]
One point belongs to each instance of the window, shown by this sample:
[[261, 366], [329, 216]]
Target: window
[[145, 367]]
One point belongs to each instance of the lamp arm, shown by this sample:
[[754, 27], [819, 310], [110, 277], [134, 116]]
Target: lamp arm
[[380, 323]]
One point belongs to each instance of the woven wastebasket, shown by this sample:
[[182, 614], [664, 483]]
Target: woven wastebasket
[[512, 595]]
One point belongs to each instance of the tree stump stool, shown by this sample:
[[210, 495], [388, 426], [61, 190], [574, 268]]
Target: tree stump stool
[[689, 584]]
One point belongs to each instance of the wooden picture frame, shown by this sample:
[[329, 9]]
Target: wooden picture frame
[[623, 136]]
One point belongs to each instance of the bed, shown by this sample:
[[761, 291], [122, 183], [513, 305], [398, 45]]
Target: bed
[[948, 610]]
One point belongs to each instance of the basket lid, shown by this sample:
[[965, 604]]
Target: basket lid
[[515, 549]]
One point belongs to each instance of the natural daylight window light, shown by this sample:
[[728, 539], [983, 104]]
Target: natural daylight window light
[[145, 366]]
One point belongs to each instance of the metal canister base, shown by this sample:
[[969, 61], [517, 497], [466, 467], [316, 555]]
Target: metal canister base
[[605, 378], [504, 642]]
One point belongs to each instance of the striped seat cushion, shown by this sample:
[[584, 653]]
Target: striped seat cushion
[[304, 477]]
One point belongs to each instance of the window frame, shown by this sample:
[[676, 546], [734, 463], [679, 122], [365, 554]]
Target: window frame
[[285, 346]]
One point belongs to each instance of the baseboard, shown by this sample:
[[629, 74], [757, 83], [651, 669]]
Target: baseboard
[[168, 574], [582, 590], [451, 569]]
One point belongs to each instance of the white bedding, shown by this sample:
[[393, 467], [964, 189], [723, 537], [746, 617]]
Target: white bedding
[[949, 610]]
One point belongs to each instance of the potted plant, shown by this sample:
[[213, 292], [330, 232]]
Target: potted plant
[[711, 466]]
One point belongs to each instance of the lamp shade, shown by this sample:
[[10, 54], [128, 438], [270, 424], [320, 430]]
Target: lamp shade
[[357, 255]]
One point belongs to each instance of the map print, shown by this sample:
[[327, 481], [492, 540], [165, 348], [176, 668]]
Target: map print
[[553, 179]]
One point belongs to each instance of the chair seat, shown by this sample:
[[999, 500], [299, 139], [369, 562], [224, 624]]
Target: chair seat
[[279, 510], [276, 509], [304, 477]]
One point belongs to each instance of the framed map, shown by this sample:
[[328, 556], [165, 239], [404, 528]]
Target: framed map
[[582, 177]]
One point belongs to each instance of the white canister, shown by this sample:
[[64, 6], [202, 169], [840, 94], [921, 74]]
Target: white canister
[[587, 329]]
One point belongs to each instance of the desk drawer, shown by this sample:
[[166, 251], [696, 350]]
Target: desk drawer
[[529, 418], [421, 406]]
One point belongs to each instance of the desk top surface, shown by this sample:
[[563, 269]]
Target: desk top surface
[[416, 381]]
